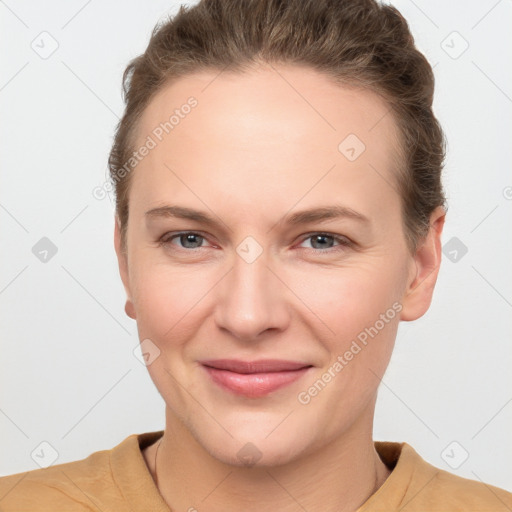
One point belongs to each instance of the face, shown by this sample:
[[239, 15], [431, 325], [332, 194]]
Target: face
[[266, 226]]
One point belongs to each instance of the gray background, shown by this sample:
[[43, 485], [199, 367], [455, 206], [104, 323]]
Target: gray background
[[69, 376]]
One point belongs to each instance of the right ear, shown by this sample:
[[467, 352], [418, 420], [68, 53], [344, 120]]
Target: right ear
[[122, 261]]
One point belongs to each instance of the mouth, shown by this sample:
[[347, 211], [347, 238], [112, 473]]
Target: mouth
[[254, 379]]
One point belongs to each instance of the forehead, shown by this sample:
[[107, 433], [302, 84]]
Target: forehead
[[272, 125], [308, 102]]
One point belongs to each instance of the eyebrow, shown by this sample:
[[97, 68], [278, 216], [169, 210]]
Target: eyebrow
[[294, 219]]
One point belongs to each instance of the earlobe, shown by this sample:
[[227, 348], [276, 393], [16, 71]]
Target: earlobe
[[420, 288], [129, 309]]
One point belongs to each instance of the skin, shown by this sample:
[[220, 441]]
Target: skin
[[259, 147]]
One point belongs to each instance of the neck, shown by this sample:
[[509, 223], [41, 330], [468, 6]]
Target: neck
[[340, 476]]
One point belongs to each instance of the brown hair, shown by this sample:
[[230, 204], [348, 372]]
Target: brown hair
[[355, 42]]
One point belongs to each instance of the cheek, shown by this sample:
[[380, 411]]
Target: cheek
[[361, 310], [168, 299], [348, 299], [338, 303]]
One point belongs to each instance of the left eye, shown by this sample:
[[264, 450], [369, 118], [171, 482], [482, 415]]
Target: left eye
[[325, 241]]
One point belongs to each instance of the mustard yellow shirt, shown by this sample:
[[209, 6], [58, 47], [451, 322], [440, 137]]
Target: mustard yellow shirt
[[118, 480]]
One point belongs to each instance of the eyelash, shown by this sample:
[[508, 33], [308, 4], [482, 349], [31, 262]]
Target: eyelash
[[343, 242]]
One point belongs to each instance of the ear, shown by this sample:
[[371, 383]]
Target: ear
[[122, 260], [425, 268]]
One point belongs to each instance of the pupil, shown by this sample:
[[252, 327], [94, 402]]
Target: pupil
[[190, 238], [321, 239]]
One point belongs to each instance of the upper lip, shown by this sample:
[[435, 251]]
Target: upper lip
[[260, 366]]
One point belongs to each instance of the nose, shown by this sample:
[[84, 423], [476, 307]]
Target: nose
[[251, 300]]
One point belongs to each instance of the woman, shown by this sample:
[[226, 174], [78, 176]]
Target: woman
[[279, 211]]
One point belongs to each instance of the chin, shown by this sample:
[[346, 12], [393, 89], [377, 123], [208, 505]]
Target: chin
[[252, 446]]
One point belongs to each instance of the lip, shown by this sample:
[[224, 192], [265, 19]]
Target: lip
[[254, 379]]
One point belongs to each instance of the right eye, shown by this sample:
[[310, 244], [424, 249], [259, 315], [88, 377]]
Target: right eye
[[186, 240]]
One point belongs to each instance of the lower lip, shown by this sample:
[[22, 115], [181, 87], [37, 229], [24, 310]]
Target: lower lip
[[254, 385]]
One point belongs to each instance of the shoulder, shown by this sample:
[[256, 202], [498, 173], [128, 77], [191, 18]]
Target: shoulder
[[454, 492], [73, 486], [417, 485]]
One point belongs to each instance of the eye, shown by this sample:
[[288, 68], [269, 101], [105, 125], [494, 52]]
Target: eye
[[326, 241], [186, 240], [320, 242]]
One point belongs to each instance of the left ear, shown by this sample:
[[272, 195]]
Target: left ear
[[427, 259]]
